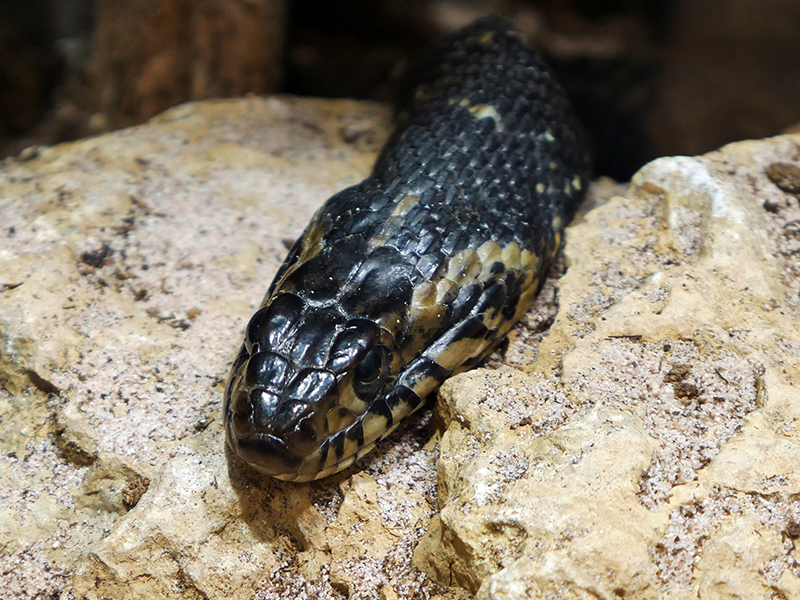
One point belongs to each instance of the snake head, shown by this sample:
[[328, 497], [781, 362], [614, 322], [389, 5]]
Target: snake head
[[301, 383]]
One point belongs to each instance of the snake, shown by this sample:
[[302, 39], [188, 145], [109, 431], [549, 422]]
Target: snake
[[418, 272]]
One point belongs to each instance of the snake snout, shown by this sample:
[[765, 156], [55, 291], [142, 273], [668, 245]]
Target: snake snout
[[276, 420]]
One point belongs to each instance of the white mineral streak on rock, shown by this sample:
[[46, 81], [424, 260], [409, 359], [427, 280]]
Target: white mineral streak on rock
[[691, 176]]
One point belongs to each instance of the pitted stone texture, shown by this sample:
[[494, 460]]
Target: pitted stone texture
[[657, 456], [129, 264], [111, 358]]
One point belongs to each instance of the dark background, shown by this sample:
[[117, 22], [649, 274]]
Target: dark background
[[648, 77]]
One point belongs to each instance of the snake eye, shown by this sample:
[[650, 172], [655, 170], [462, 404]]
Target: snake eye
[[370, 372]]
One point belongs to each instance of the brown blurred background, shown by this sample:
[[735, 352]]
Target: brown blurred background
[[649, 77]]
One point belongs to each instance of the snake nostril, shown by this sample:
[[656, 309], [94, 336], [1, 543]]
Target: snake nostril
[[285, 419], [241, 414], [303, 440]]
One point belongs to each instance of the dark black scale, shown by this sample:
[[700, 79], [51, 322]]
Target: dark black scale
[[406, 242], [381, 408], [265, 403], [269, 369], [286, 415], [466, 299], [356, 433], [492, 298], [481, 124], [424, 367], [429, 265], [338, 445], [313, 336], [401, 394], [304, 437], [311, 385], [323, 453], [513, 292], [351, 345], [270, 325], [323, 275]]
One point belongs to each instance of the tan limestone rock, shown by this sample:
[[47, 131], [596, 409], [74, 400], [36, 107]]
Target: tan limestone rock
[[650, 448], [643, 446], [129, 265]]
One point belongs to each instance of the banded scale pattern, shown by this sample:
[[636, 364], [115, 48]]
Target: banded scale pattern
[[416, 273]]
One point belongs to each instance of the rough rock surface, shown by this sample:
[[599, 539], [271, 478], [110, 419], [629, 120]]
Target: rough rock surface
[[650, 449], [643, 446], [129, 265]]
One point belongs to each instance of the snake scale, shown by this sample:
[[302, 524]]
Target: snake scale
[[416, 273]]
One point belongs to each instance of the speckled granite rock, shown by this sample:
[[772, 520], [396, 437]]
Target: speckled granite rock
[[651, 448], [644, 446]]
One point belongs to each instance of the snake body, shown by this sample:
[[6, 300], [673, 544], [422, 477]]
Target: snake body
[[416, 273]]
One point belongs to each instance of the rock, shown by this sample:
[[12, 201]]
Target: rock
[[151, 55], [129, 266], [644, 445], [650, 448]]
